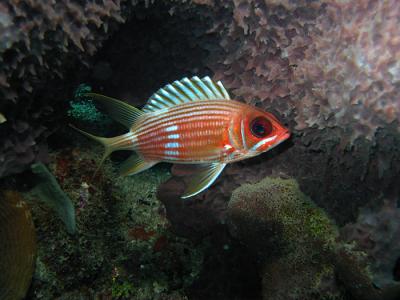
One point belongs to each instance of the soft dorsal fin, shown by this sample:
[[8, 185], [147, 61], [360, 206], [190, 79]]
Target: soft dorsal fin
[[186, 90], [118, 110]]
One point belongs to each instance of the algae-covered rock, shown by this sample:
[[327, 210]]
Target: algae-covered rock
[[289, 234], [50, 192], [279, 214], [297, 244], [17, 246]]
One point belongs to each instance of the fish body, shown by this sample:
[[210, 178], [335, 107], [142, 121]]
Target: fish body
[[203, 132], [192, 121]]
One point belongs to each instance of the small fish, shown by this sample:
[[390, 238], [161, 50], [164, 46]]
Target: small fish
[[191, 121]]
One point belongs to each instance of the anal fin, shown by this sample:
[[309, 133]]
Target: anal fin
[[135, 164], [204, 177]]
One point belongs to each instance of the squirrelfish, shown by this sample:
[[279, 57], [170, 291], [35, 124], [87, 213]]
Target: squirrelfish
[[191, 121]]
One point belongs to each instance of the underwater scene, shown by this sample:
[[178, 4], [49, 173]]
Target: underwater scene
[[203, 149]]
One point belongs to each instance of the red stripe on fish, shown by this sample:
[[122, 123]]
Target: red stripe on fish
[[189, 134]]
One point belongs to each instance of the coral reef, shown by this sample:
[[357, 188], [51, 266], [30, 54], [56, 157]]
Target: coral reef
[[327, 64], [123, 247], [17, 247], [275, 55], [289, 235], [46, 51], [329, 68], [38, 41], [302, 61], [20, 146], [48, 190], [297, 245], [33, 32], [376, 232]]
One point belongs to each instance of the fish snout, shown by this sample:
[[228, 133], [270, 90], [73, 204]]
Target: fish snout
[[284, 136]]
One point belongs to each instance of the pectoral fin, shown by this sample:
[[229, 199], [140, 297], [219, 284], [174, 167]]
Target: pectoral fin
[[206, 175], [135, 164]]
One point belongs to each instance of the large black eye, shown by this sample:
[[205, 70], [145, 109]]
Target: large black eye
[[260, 127]]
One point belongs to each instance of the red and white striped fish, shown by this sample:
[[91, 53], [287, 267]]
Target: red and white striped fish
[[191, 121]]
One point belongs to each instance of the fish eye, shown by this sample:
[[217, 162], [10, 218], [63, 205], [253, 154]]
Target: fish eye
[[260, 127]]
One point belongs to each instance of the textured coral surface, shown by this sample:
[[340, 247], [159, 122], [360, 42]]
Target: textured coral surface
[[312, 63], [123, 247], [280, 225], [39, 42], [17, 247], [295, 243], [328, 64], [329, 69]]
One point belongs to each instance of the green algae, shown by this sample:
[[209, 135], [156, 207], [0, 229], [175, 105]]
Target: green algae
[[83, 109], [139, 191], [123, 289]]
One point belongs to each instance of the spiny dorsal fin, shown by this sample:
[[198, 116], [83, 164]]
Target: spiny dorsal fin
[[118, 110], [186, 90], [207, 174]]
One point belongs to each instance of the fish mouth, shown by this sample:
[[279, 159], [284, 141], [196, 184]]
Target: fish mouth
[[284, 136], [281, 138]]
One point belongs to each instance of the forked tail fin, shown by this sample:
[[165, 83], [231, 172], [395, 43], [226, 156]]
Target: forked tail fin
[[121, 112], [121, 142]]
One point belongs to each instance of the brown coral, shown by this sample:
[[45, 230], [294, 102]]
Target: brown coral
[[37, 39], [327, 64], [17, 247]]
